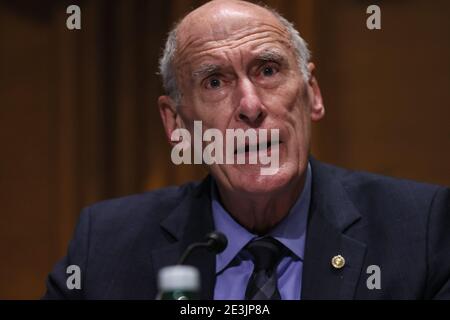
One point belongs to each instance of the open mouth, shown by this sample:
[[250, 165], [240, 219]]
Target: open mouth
[[260, 147]]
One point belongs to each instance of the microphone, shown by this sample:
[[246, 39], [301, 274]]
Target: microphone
[[215, 241], [182, 282]]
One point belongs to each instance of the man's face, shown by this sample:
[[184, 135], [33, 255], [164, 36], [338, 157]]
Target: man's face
[[238, 69]]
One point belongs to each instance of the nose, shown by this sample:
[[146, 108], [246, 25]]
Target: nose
[[251, 110]]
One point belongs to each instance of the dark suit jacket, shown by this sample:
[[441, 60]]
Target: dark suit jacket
[[401, 226]]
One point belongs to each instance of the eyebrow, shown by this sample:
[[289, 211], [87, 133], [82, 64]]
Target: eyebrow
[[271, 55], [205, 70], [208, 69]]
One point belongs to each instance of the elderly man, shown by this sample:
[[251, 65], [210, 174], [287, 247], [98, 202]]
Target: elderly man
[[308, 231]]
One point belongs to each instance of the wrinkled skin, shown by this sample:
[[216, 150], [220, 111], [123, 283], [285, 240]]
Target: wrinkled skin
[[236, 68]]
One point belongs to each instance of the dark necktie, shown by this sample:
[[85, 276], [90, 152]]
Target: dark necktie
[[266, 254]]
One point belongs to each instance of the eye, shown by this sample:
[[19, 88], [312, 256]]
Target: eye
[[268, 70], [213, 83]]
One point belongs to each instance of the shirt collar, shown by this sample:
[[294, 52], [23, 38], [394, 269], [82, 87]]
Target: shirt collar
[[291, 231]]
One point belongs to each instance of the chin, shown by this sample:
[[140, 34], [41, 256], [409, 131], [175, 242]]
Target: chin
[[250, 180]]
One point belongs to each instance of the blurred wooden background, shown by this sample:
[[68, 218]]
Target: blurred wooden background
[[79, 122]]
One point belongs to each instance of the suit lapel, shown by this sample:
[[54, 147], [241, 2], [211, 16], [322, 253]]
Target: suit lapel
[[331, 216], [189, 222]]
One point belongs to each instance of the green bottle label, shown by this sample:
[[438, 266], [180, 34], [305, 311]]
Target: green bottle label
[[179, 295]]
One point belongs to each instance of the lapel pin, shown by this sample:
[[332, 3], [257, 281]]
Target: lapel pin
[[338, 262]]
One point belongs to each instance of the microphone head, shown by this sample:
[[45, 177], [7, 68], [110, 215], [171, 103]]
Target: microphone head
[[217, 241]]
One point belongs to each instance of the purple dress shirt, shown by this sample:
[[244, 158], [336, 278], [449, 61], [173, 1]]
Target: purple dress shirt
[[234, 267]]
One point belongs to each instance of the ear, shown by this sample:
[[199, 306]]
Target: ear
[[170, 117], [317, 108]]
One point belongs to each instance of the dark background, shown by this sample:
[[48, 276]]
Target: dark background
[[79, 120]]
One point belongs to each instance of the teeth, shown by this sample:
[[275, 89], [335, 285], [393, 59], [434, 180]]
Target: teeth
[[263, 146], [245, 148], [260, 147]]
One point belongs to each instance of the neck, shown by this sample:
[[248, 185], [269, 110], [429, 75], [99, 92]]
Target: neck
[[261, 213]]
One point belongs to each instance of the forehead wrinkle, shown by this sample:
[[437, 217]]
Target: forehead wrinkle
[[203, 53], [260, 28], [196, 41], [235, 45]]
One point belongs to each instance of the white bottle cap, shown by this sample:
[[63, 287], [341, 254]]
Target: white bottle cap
[[179, 277]]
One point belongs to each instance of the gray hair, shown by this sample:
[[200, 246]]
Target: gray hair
[[167, 69]]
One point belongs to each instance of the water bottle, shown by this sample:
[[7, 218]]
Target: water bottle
[[179, 282]]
